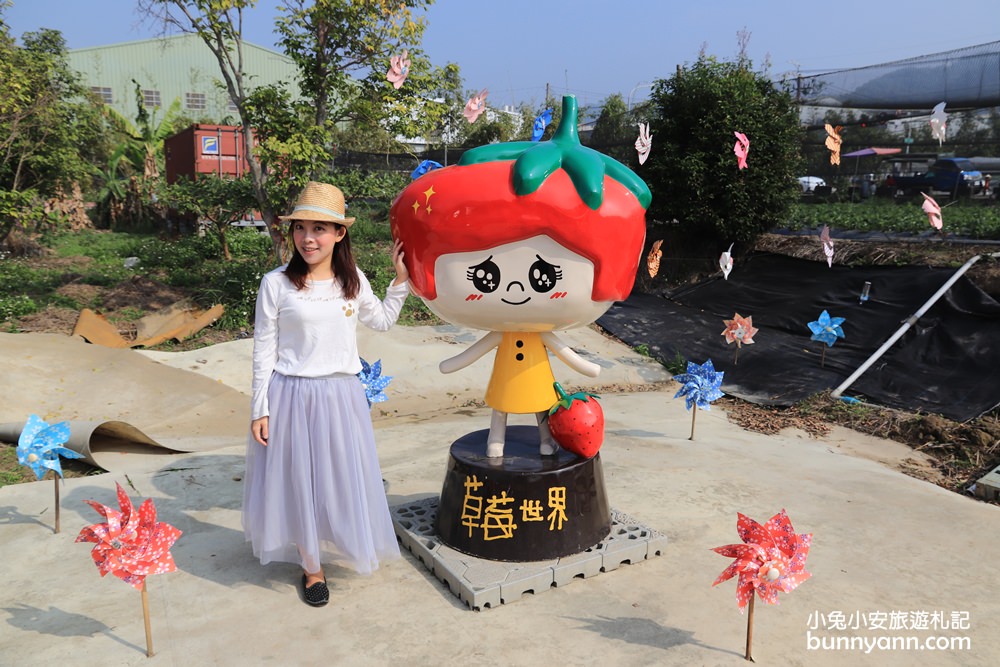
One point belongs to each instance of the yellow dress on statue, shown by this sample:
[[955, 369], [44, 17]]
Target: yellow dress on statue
[[522, 376]]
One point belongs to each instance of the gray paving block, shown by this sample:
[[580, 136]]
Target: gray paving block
[[577, 566], [483, 584], [533, 579]]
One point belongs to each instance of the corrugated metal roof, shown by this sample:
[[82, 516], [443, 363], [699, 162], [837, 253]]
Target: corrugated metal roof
[[177, 67]]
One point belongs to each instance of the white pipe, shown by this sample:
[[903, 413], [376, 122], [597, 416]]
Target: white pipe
[[910, 321]]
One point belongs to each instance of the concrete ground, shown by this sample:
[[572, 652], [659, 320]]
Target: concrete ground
[[888, 550]]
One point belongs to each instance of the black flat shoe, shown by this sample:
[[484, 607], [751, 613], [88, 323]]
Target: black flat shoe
[[316, 595]]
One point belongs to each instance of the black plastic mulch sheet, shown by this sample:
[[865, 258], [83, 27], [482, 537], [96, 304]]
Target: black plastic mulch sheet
[[947, 363]]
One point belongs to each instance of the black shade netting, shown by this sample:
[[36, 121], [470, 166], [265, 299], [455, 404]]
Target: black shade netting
[[947, 363]]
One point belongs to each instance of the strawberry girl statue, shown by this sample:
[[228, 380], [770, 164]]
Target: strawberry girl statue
[[522, 240]]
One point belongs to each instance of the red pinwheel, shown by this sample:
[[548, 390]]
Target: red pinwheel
[[131, 546], [741, 149], [771, 559]]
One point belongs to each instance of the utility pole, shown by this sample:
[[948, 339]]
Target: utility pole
[[546, 92]]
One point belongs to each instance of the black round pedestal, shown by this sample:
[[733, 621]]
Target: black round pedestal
[[525, 506]]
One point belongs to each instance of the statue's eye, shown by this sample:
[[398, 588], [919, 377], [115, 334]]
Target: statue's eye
[[485, 275], [543, 276]]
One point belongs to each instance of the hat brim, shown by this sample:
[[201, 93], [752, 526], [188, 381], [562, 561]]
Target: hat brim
[[316, 216]]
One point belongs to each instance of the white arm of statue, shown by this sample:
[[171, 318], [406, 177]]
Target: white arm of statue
[[566, 355], [471, 353]]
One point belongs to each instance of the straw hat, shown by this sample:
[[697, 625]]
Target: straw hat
[[322, 202]]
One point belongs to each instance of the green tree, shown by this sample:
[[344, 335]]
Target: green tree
[[219, 200], [692, 170], [614, 133], [50, 129], [330, 41]]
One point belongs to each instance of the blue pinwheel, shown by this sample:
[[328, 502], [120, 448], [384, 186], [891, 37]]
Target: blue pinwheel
[[374, 382], [423, 168], [40, 446], [827, 329], [538, 129], [700, 386]]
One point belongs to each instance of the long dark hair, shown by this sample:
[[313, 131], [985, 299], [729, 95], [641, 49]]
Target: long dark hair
[[342, 260]]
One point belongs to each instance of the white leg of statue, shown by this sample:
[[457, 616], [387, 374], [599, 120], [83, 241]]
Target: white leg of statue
[[498, 434], [547, 446]]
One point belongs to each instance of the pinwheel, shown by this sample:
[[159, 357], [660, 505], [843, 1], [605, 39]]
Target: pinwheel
[[739, 330], [833, 142], [741, 148], [475, 106], [770, 560], [131, 545], [40, 446], [824, 237], [826, 330], [644, 142], [933, 211], [423, 168], [939, 122], [653, 258], [542, 122], [726, 261], [374, 382], [700, 386], [399, 69]]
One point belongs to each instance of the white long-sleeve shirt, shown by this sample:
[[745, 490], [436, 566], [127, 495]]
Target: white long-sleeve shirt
[[313, 332]]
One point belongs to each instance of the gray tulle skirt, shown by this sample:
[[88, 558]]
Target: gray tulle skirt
[[315, 494]]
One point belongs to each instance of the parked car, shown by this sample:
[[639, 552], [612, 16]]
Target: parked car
[[951, 175], [809, 183]]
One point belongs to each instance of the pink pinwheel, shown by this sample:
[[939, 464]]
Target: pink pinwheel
[[475, 106], [739, 330], [824, 237], [771, 559], [399, 69], [130, 545], [644, 142], [933, 211], [726, 261], [741, 148]]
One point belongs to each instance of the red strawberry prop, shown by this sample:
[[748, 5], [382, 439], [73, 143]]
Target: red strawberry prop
[[577, 422]]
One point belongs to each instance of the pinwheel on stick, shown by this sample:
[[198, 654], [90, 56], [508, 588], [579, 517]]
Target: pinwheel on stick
[[770, 560], [700, 386], [131, 545], [826, 330], [39, 447], [739, 330]]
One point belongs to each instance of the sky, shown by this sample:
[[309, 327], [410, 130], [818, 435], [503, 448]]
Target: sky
[[595, 48]]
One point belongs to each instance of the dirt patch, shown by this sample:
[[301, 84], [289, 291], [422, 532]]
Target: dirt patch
[[51, 319], [140, 293]]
